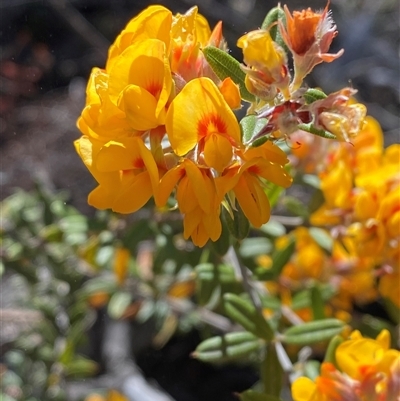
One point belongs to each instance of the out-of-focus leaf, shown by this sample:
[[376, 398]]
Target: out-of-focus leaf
[[295, 206], [311, 332], [118, 304], [312, 369], [238, 224], [322, 238], [252, 247], [81, 367], [271, 371], [330, 355], [244, 313], [317, 303], [230, 347], [273, 228]]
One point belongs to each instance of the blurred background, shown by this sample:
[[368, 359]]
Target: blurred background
[[48, 48]]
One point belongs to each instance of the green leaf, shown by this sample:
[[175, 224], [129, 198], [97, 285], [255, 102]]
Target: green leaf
[[81, 367], [239, 225], [273, 193], [312, 180], [251, 395], [302, 299], [222, 244], [311, 332], [271, 371], [230, 347], [295, 206], [270, 23], [246, 314], [312, 369], [315, 131], [209, 277], [118, 304], [273, 228], [251, 126], [279, 259], [312, 94], [252, 247], [225, 66], [330, 355], [322, 238], [317, 303]]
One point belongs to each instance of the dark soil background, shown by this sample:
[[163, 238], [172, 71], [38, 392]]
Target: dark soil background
[[48, 48]]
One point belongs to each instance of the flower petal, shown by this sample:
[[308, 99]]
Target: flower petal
[[135, 194]]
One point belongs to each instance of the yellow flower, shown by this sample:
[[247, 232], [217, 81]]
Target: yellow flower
[[101, 118], [263, 163], [140, 83], [197, 201], [200, 117], [126, 172], [102, 197], [137, 170], [266, 64], [367, 371], [152, 23]]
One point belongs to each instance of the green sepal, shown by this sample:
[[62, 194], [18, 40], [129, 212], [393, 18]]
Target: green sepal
[[251, 395], [246, 314], [239, 225], [226, 66], [227, 348], [271, 23], [312, 332], [311, 95], [315, 131]]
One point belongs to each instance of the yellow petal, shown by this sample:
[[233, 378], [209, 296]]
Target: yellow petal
[[191, 221], [140, 107], [252, 200], [303, 389], [152, 23], [167, 184], [144, 64], [185, 196], [230, 92], [197, 111], [217, 152], [199, 184], [134, 195], [101, 198]]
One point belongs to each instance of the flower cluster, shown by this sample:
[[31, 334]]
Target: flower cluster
[[353, 243], [364, 369], [361, 187], [159, 119]]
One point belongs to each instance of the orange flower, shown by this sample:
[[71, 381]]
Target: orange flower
[[309, 36]]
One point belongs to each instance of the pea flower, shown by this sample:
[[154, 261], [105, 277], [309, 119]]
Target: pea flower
[[266, 65], [366, 370]]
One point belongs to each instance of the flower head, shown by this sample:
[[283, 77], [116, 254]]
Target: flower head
[[266, 64]]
